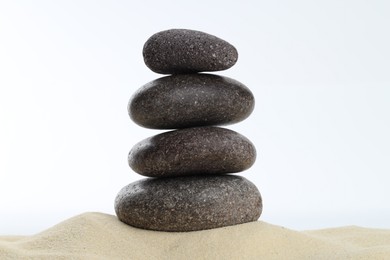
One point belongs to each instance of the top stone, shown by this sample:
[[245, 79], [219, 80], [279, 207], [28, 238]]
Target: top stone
[[179, 51]]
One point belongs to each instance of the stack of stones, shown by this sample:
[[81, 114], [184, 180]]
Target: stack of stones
[[190, 186]]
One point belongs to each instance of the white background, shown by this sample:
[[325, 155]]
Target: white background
[[319, 71]]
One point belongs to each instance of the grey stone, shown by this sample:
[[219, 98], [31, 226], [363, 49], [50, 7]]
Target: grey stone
[[188, 203], [191, 151], [187, 51], [188, 100]]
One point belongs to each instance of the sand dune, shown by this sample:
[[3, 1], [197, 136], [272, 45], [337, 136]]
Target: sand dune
[[102, 236]]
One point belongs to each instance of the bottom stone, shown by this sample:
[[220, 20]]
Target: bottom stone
[[188, 203]]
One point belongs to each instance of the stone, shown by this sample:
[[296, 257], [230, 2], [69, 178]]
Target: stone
[[192, 151], [187, 51], [189, 100], [188, 203]]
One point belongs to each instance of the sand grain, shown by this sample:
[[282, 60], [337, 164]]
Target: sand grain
[[102, 236]]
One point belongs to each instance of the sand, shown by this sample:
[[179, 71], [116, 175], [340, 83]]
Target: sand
[[102, 236]]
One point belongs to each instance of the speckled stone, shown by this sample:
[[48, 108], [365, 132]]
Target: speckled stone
[[188, 203], [188, 100], [186, 51], [191, 151]]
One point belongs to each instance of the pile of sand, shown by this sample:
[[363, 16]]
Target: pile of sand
[[102, 236]]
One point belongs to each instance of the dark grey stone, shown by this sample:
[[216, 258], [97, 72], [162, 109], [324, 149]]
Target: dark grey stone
[[190, 151], [188, 203], [186, 51], [188, 100]]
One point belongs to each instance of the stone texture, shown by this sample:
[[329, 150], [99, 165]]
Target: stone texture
[[186, 51], [190, 151], [188, 100], [188, 203]]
